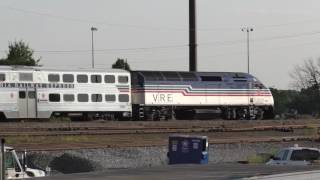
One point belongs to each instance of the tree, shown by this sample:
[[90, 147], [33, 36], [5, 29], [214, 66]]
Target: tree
[[283, 100], [306, 75], [121, 64], [307, 80], [20, 54]]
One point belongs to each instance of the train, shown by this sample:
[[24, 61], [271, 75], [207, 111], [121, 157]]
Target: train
[[85, 94]]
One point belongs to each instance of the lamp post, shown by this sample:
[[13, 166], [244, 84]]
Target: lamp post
[[248, 30], [93, 29]]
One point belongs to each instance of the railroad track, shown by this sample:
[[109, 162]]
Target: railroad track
[[81, 135], [97, 130]]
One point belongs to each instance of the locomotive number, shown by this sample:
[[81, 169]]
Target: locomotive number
[[162, 98]]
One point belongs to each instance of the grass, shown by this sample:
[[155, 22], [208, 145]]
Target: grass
[[262, 158], [59, 119], [259, 158]]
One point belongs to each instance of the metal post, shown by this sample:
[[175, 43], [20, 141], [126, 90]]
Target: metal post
[[192, 36], [92, 47], [3, 172], [248, 51], [248, 30]]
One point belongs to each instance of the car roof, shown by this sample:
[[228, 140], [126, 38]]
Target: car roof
[[301, 148]]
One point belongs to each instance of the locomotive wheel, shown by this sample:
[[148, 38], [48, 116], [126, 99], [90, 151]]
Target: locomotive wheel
[[260, 114]]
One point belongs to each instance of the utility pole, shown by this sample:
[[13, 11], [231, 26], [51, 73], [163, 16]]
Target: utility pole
[[92, 48], [2, 161], [192, 36], [248, 30]]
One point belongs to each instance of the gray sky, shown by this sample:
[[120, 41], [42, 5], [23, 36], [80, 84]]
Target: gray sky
[[153, 34]]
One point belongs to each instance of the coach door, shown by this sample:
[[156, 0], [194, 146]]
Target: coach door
[[27, 103]]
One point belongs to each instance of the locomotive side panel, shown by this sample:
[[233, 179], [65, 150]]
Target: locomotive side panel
[[238, 94]]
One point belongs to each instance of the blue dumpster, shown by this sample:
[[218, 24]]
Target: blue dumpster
[[186, 149]]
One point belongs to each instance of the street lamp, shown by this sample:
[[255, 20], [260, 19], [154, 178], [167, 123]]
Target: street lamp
[[247, 29], [93, 29]]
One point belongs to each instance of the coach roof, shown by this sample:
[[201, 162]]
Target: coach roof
[[34, 68]]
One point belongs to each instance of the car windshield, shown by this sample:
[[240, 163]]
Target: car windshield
[[279, 155]]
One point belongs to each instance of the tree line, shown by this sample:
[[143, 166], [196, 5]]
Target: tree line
[[20, 54], [305, 99]]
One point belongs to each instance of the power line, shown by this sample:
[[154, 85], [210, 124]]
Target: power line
[[148, 27], [183, 46], [106, 50], [262, 39], [87, 21]]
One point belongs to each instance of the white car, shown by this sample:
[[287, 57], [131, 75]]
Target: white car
[[14, 169], [295, 156]]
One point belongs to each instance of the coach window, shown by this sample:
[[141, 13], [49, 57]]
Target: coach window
[[110, 97], [31, 95], [95, 78], [83, 98], [22, 94], [123, 98], [68, 78], [82, 78], [53, 78], [2, 77], [68, 97], [96, 98], [25, 77], [54, 97], [123, 79], [109, 79]]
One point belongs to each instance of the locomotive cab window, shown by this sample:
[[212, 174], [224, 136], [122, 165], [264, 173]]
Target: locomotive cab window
[[54, 97], [82, 78], [96, 98], [96, 78], [211, 78], [68, 78], [2, 77], [123, 98], [109, 79], [110, 97], [53, 78], [123, 79]]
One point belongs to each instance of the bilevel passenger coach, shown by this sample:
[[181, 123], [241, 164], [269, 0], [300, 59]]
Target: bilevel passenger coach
[[35, 92]]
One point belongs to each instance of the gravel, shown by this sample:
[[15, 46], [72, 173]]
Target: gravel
[[86, 160]]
